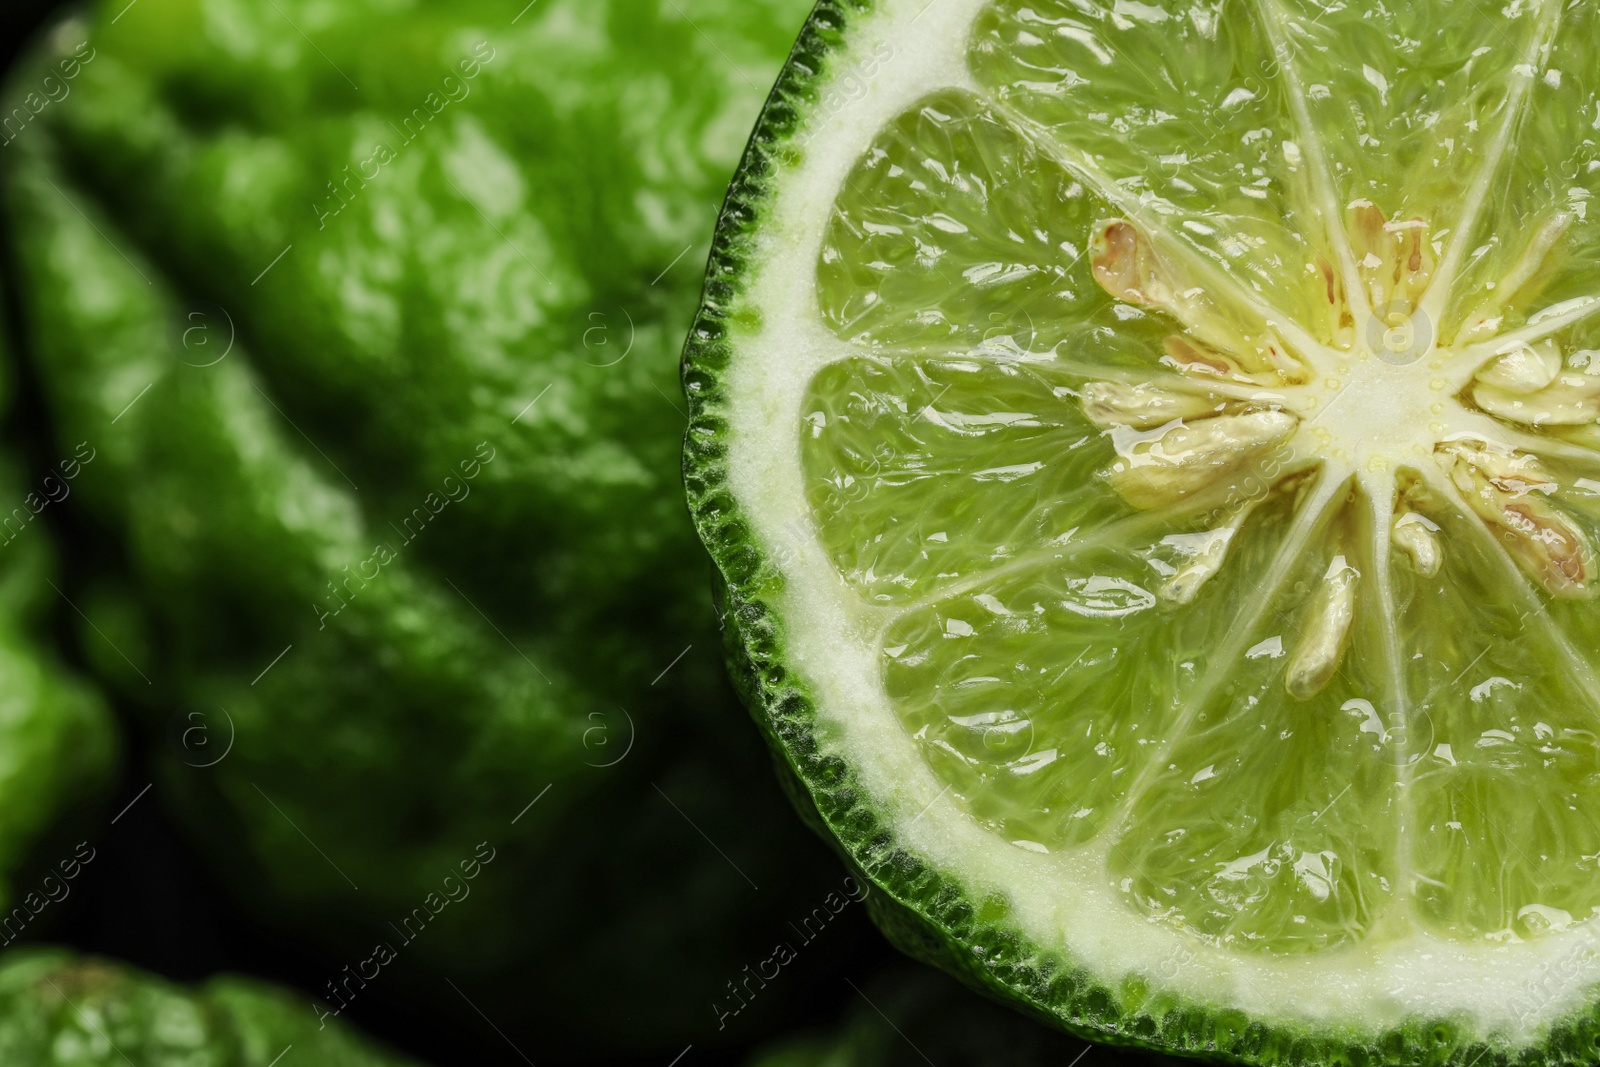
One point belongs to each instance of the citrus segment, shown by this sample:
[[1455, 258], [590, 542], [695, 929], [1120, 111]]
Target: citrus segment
[[955, 231], [1537, 240], [1504, 753], [923, 471], [1020, 698], [1123, 90], [1411, 103], [1268, 823]]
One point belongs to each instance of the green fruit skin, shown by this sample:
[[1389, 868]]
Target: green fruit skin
[[918, 909], [58, 1009], [399, 515]]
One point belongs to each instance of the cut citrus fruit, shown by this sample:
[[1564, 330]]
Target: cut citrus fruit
[[1152, 452]]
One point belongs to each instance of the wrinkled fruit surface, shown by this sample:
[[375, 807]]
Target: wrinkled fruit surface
[[370, 313]]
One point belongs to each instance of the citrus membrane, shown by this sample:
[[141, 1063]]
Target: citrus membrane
[[1152, 449]]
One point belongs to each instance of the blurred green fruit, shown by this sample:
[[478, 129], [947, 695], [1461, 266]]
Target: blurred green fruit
[[61, 1010], [57, 744], [371, 311]]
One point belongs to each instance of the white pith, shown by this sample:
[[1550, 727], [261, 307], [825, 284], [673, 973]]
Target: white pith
[[1062, 901]]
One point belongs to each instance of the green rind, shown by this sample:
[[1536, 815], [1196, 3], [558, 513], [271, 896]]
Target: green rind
[[924, 913]]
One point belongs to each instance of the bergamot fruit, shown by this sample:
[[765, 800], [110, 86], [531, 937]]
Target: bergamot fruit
[[59, 1009], [372, 315], [1151, 449]]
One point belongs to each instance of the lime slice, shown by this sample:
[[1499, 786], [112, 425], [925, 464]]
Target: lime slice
[[1151, 449]]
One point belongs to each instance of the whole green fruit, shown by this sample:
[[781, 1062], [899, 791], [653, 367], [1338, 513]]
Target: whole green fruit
[[371, 310], [58, 746], [62, 1010]]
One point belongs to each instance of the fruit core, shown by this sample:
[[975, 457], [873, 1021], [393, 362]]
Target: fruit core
[[1390, 396]]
